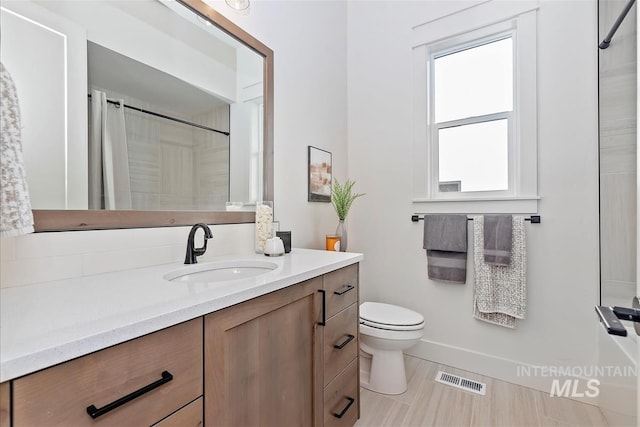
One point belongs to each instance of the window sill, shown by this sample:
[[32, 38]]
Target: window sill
[[467, 205]]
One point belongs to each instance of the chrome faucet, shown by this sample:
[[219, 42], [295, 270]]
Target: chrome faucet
[[192, 252]]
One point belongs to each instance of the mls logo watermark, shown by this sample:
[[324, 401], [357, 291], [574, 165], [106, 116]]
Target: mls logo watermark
[[575, 388], [576, 381]]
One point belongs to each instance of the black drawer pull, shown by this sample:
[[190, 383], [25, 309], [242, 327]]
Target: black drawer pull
[[345, 342], [344, 289], [96, 412], [324, 308], [346, 408]]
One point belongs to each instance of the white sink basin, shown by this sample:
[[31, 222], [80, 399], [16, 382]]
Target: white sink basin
[[220, 271]]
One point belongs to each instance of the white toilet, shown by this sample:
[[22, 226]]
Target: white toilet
[[385, 331]]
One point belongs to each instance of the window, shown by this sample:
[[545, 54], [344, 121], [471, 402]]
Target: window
[[475, 109], [472, 105]]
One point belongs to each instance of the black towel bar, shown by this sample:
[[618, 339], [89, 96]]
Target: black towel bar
[[535, 219]]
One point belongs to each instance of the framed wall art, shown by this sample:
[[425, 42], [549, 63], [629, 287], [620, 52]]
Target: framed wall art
[[319, 168]]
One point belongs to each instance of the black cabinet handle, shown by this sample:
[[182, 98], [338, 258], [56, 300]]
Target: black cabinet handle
[[344, 289], [345, 342], [324, 307], [346, 408], [96, 412]]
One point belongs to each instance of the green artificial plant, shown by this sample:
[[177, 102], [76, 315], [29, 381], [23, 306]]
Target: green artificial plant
[[342, 197]]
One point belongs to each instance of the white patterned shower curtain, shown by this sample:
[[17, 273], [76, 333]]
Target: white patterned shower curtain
[[108, 155]]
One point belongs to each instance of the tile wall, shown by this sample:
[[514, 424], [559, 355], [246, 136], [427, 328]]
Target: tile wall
[[43, 257], [618, 136]]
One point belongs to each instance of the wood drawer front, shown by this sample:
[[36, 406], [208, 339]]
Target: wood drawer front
[[5, 405], [189, 416], [337, 396], [337, 332], [338, 294], [59, 396]]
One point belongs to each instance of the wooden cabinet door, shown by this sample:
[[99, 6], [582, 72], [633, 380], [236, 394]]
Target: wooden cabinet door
[[261, 360]]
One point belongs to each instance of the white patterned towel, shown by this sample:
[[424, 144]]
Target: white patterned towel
[[500, 292], [15, 207]]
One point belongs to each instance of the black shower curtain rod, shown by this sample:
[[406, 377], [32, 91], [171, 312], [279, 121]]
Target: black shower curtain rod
[[184, 122], [607, 40]]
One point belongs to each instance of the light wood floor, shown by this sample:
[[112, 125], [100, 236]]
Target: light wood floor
[[428, 403]]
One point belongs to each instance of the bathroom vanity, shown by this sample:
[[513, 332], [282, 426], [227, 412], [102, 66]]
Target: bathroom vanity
[[162, 345], [278, 348]]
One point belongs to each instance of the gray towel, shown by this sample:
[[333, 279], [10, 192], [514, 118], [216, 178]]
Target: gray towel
[[497, 239], [445, 239]]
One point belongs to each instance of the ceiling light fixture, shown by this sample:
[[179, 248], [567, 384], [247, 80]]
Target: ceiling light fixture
[[238, 4]]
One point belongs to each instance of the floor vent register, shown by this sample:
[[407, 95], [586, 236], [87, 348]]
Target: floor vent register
[[461, 383]]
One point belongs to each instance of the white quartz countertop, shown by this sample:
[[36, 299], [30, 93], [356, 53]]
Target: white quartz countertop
[[48, 323]]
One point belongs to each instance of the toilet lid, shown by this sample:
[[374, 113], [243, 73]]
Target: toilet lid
[[388, 316]]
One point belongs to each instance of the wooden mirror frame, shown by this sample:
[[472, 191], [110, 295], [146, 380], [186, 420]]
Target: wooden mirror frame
[[67, 220]]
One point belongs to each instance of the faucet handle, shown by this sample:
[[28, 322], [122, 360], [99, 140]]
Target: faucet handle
[[203, 249], [207, 235]]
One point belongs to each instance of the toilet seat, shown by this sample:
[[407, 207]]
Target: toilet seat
[[390, 317]]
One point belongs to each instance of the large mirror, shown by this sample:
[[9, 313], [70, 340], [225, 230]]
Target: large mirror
[[139, 113]]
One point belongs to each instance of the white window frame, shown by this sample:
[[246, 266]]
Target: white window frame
[[451, 47], [476, 26]]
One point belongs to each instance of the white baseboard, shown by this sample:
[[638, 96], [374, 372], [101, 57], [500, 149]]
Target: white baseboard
[[508, 370]]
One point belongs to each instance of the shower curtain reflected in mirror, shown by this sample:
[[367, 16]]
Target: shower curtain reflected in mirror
[[109, 182]]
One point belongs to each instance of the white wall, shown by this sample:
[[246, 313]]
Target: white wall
[[310, 109], [242, 155], [40, 102], [310, 85], [46, 56], [563, 283], [140, 31], [311, 40]]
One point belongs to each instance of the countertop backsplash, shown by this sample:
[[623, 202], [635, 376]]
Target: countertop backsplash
[[43, 257]]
